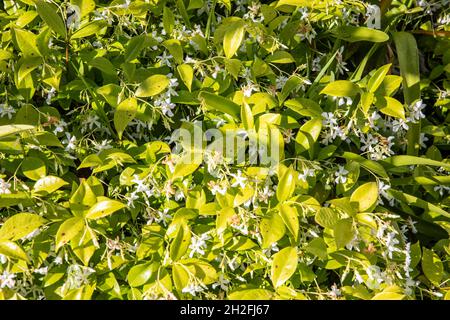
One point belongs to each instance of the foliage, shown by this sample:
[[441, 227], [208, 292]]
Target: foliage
[[95, 202]]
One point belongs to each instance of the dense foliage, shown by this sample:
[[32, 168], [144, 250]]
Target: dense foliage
[[96, 202]]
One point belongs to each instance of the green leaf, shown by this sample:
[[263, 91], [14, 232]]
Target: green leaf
[[89, 29], [49, 13], [343, 232], [286, 185], [180, 276], [11, 129], [218, 103], [369, 165], [404, 160], [104, 65], [186, 74], [26, 66], [290, 218], [341, 88], [432, 266], [141, 273], [181, 243], [33, 168], [175, 49], [280, 57], [392, 107], [408, 58], [389, 85], [83, 246], [13, 199], [125, 112], [86, 6], [26, 41], [304, 107], [153, 85], [365, 196], [233, 37], [12, 250], [284, 265], [223, 219], [48, 184], [272, 229], [251, 294], [417, 202], [309, 133], [68, 230], [247, 116], [168, 20], [378, 77], [354, 34], [327, 217], [104, 208], [134, 47], [20, 225]]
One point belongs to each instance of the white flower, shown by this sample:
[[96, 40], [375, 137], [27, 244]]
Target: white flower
[[163, 216], [239, 180], [221, 282], [280, 81], [70, 142], [43, 271], [372, 119], [3, 259], [4, 187], [77, 276], [73, 16], [415, 111], [422, 140], [198, 245], [141, 186], [341, 175], [398, 125], [441, 189], [103, 145], [7, 280], [391, 243], [193, 289], [217, 69], [341, 64], [217, 188], [316, 64], [164, 102], [50, 95], [249, 88], [345, 100], [265, 194], [60, 126], [164, 59], [91, 122], [305, 174], [6, 110]]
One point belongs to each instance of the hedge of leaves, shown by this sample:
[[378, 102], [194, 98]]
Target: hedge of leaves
[[96, 204]]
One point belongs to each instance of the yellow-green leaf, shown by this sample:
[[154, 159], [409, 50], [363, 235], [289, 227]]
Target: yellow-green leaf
[[125, 112], [153, 85], [290, 218], [20, 225], [49, 13], [186, 74], [68, 230], [365, 196], [284, 265], [104, 208]]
